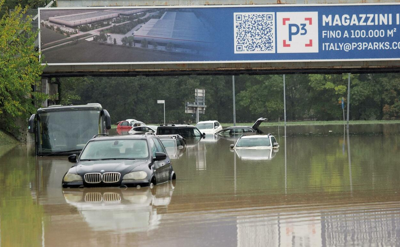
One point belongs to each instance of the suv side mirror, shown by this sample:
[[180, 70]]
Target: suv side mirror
[[107, 119], [232, 146], [160, 156], [72, 158], [275, 144]]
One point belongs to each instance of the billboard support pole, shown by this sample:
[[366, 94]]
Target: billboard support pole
[[234, 100], [348, 99], [284, 97]]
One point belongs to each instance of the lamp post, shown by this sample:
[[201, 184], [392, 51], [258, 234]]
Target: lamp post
[[162, 102]]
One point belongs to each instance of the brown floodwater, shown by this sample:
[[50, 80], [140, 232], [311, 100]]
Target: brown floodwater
[[323, 187]]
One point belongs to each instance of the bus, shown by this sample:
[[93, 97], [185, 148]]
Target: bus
[[63, 130]]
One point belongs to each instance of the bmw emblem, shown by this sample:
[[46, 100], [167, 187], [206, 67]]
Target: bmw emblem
[[102, 171]]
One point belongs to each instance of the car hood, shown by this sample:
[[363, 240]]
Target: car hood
[[122, 166], [257, 124]]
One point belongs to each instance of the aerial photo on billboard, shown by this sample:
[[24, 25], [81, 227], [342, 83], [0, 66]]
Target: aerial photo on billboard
[[220, 34]]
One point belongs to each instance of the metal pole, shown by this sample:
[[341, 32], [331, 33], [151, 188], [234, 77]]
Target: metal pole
[[285, 163], [284, 97], [197, 115], [348, 100], [164, 113], [234, 100]]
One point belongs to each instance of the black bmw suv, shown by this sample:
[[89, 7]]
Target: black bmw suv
[[128, 160]]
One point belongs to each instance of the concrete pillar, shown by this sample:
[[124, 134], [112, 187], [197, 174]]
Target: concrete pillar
[[45, 89]]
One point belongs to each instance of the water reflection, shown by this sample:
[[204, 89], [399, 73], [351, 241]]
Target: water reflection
[[121, 210], [318, 190], [256, 154]]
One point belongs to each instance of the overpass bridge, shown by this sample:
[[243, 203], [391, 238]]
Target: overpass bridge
[[158, 63]]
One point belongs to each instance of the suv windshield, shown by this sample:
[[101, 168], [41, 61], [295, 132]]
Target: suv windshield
[[253, 142], [204, 126], [115, 149]]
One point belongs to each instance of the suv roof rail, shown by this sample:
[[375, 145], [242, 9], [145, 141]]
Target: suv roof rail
[[103, 134]]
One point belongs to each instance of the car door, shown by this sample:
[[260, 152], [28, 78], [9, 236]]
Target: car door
[[162, 167]]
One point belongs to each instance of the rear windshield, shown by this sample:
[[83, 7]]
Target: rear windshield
[[204, 126]]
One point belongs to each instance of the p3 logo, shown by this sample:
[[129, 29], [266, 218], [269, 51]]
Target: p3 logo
[[297, 32]]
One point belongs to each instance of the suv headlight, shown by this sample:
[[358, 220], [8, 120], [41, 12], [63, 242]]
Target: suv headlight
[[136, 175], [70, 177]]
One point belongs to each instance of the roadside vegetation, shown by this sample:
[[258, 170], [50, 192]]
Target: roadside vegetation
[[21, 69], [311, 99]]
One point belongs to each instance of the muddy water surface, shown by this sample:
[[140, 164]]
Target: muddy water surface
[[321, 188]]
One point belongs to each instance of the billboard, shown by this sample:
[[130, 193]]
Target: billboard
[[219, 34]]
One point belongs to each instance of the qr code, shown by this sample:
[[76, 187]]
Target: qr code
[[254, 32]]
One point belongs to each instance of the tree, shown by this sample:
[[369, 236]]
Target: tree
[[21, 69]]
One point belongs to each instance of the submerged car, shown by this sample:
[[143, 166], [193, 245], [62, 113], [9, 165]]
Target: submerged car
[[142, 130], [134, 122], [256, 142], [186, 131], [241, 130], [209, 127], [174, 144], [120, 161]]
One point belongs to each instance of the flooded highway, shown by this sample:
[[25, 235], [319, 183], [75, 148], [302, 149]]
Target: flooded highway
[[324, 186]]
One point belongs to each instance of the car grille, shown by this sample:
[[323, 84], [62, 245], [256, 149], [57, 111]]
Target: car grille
[[92, 178], [108, 177], [111, 177]]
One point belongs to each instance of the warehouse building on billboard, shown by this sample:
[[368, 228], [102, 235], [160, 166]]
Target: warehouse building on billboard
[[75, 20], [179, 28]]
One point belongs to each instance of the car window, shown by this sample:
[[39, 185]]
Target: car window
[[216, 124], [153, 147], [159, 147], [273, 140], [225, 132], [204, 126], [247, 130], [197, 133], [237, 131], [124, 124], [253, 142]]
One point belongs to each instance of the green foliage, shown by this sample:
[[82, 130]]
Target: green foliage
[[21, 69], [308, 97]]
